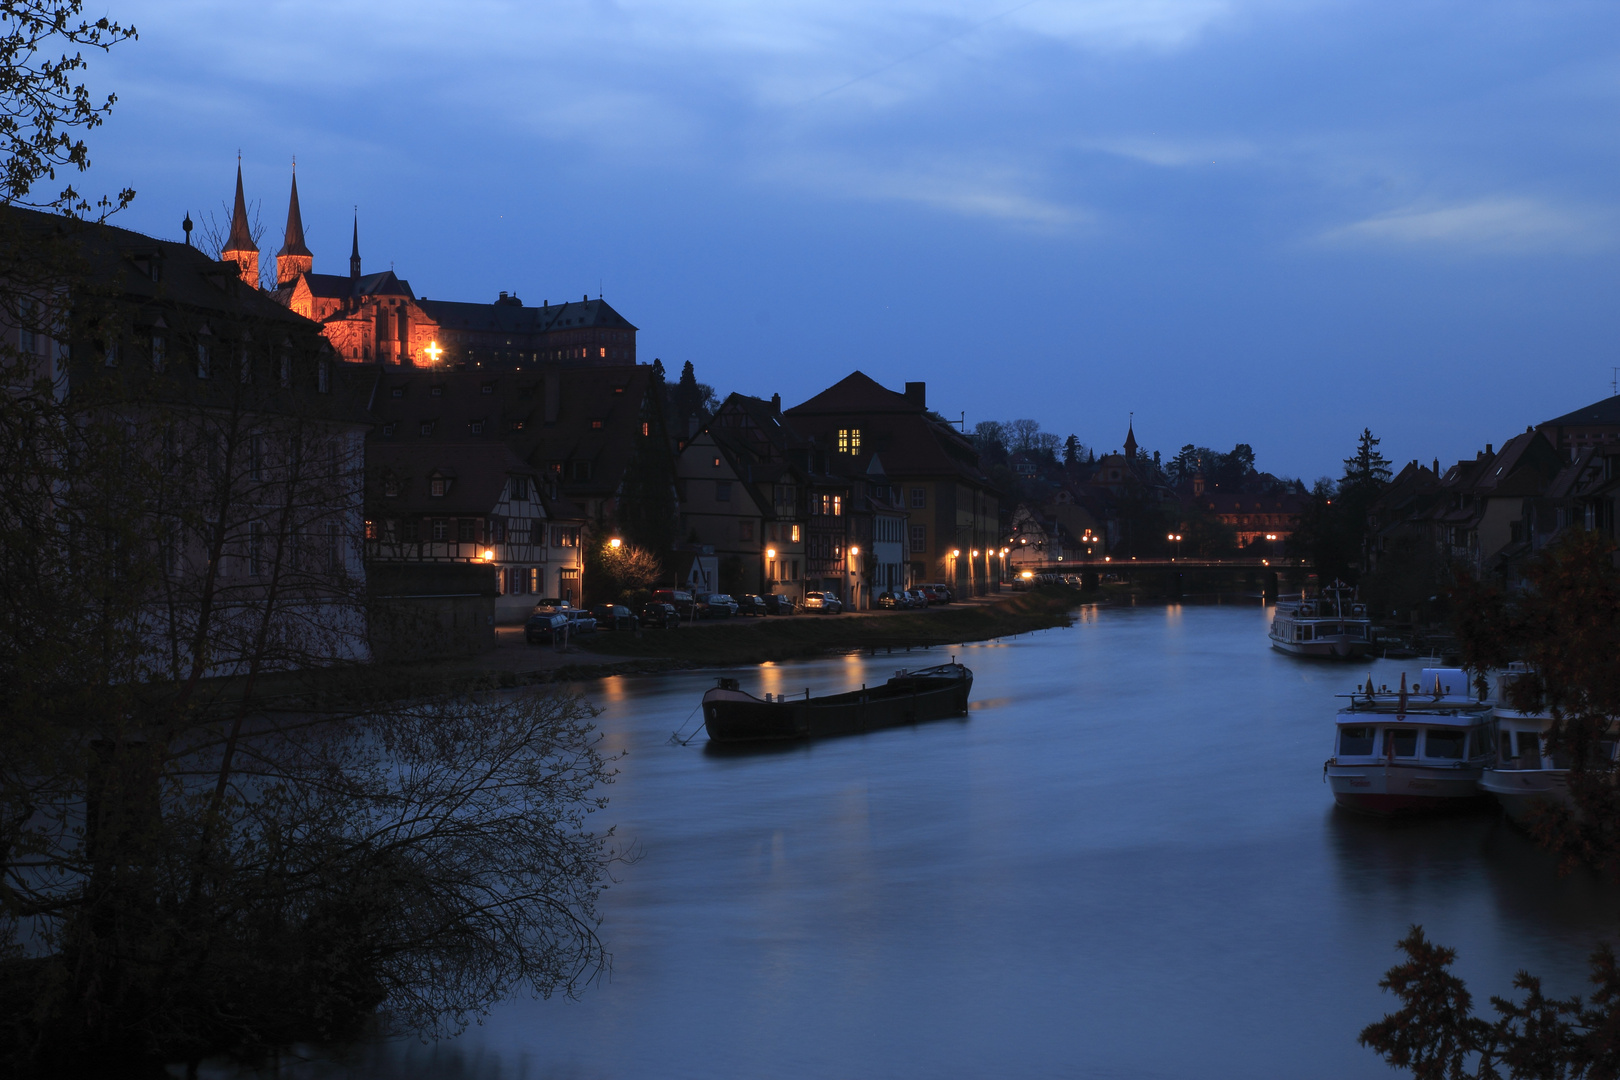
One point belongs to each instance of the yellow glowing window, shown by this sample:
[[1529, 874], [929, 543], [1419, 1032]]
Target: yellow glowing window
[[794, 538], [849, 440]]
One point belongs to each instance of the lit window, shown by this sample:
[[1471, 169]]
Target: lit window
[[596, 425], [849, 440], [793, 534], [645, 428]]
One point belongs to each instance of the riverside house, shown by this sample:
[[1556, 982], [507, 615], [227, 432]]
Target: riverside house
[[475, 504]]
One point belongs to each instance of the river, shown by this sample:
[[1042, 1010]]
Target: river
[[1122, 864]]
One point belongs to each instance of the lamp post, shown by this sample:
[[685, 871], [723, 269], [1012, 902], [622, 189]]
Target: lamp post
[[1177, 538]]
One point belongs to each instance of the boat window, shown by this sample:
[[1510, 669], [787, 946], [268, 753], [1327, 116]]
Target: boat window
[[1529, 745], [1507, 745], [1444, 744], [1402, 740], [1356, 740], [1305, 633]]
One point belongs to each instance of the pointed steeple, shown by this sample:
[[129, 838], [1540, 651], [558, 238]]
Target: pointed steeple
[[294, 259], [239, 247], [354, 253], [1130, 438]]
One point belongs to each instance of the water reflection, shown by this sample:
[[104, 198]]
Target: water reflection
[[1123, 862]]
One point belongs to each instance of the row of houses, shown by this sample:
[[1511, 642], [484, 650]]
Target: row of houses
[[1492, 512]]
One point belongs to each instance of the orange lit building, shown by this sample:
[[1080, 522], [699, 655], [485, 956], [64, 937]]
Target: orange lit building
[[378, 318]]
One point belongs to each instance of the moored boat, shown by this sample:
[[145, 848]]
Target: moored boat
[[1406, 751], [1332, 624], [1526, 772], [910, 697]]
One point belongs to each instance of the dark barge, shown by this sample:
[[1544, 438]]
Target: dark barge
[[911, 697]]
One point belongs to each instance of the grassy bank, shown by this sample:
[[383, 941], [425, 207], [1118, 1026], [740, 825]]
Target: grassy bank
[[754, 641]]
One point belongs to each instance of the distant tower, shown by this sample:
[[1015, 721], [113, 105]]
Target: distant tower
[[354, 253], [240, 248], [1130, 440], [294, 259]]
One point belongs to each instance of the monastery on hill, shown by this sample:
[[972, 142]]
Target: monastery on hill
[[377, 318]]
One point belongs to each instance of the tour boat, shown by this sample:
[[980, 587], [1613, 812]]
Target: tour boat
[[1525, 773], [1333, 624], [1412, 750], [731, 715]]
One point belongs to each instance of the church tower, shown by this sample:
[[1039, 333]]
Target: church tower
[[294, 259], [240, 248], [354, 253], [1130, 440]]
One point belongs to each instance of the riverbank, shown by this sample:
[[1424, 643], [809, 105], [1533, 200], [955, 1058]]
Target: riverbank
[[757, 641]]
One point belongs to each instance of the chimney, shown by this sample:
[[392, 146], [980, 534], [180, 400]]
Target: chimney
[[776, 404], [553, 391], [917, 394]]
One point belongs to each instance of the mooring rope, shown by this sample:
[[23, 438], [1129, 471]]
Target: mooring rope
[[675, 736]]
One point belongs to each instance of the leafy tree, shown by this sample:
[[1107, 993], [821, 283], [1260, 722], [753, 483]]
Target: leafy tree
[[43, 108], [1073, 452]]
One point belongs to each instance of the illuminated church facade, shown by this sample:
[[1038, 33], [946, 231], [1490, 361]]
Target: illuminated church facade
[[378, 318]]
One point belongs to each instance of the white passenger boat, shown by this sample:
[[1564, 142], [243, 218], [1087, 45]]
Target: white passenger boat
[[1411, 750], [1333, 624], [1525, 772]]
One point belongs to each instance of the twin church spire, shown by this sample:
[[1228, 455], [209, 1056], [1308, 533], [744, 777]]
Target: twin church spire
[[294, 259]]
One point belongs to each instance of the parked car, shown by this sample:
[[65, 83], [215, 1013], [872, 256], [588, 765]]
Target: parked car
[[825, 602], [713, 606], [752, 604], [937, 594], [551, 602], [580, 621], [918, 597], [545, 627], [615, 617], [889, 601], [778, 604], [663, 616], [679, 599]]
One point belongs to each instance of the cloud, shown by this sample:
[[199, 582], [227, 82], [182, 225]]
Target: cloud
[[1493, 224], [965, 189]]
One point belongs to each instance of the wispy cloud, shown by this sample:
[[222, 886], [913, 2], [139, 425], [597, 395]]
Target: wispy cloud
[[1494, 224], [963, 188]]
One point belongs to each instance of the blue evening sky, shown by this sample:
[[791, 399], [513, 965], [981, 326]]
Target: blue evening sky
[[1270, 221]]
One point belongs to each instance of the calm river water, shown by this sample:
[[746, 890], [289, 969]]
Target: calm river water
[[1123, 863]]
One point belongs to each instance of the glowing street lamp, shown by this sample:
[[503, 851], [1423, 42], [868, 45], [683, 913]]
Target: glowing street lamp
[[433, 352], [489, 554], [615, 543]]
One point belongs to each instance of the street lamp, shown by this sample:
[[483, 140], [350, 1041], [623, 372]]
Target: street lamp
[[615, 543], [1177, 538]]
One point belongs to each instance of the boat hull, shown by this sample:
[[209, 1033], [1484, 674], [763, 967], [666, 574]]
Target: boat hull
[[730, 716], [1390, 790], [1518, 791], [1328, 648]]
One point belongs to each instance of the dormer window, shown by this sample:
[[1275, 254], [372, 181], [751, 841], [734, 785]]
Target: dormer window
[[517, 425], [388, 431], [436, 391], [520, 487], [398, 391], [596, 425], [437, 487], [487, 388], [618, 389], [477, 427], [391, 487], [425, 428]]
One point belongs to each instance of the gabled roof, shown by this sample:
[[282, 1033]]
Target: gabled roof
[[342, 287], [856, 393], [1599, 413], [477, 473], [508, 316]]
